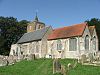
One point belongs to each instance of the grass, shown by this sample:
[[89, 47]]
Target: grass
[[44, 67], [82, 69]]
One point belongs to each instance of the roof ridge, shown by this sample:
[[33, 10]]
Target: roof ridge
[[37, 30], [70, 26], [46, 30]]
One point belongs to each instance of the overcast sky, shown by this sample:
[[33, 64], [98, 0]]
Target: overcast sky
[[57, 13]]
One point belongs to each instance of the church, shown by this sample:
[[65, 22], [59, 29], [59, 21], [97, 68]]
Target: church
[[66, 42]]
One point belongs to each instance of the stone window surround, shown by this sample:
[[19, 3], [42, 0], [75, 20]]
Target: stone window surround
[[59, 44], [87, 42], [73, 40]]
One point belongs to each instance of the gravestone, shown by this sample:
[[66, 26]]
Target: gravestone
[[98, 57], [21, 57], [69, 66], [56, 66], [75, 64], [63, 70], [26, 56], [1, 56], [10, 60], [32, 57], [91, 58], [37, 56], [15, 58], [29, 57], [3, 62], [83, 59]]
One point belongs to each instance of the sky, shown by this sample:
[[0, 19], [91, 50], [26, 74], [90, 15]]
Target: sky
[[57, 13]]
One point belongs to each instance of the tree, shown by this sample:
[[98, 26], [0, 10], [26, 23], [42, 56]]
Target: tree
[[22, 27], [10, 32], [96, 22]]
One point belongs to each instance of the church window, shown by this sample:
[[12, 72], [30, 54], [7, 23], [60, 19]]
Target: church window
[[94, 43], [24, 49], [59, 45], [72, 44], [30, 47], [39, 27], [37, 47], [87, 42], [17, 51], [33, 48], [13, 52]]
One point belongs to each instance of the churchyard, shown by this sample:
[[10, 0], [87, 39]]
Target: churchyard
[[49, 67]]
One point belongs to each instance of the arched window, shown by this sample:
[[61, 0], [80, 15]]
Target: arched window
[[37, 47], [33, 48], [94, 43], [39, 27], [87, 42], [72, 44], [30, 47], [17, 51], [13, 52], [59, 45]]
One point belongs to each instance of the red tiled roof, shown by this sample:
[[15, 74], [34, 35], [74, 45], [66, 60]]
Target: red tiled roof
[[69, 31], [91, 28]]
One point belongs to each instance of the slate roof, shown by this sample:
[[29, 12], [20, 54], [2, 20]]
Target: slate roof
[[91, 29], [33, 36], [68, 31]]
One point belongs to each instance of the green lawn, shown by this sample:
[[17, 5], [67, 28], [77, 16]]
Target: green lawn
[[44, 67]]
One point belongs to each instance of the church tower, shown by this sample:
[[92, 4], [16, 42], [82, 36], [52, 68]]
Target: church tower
[[35, 25]]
